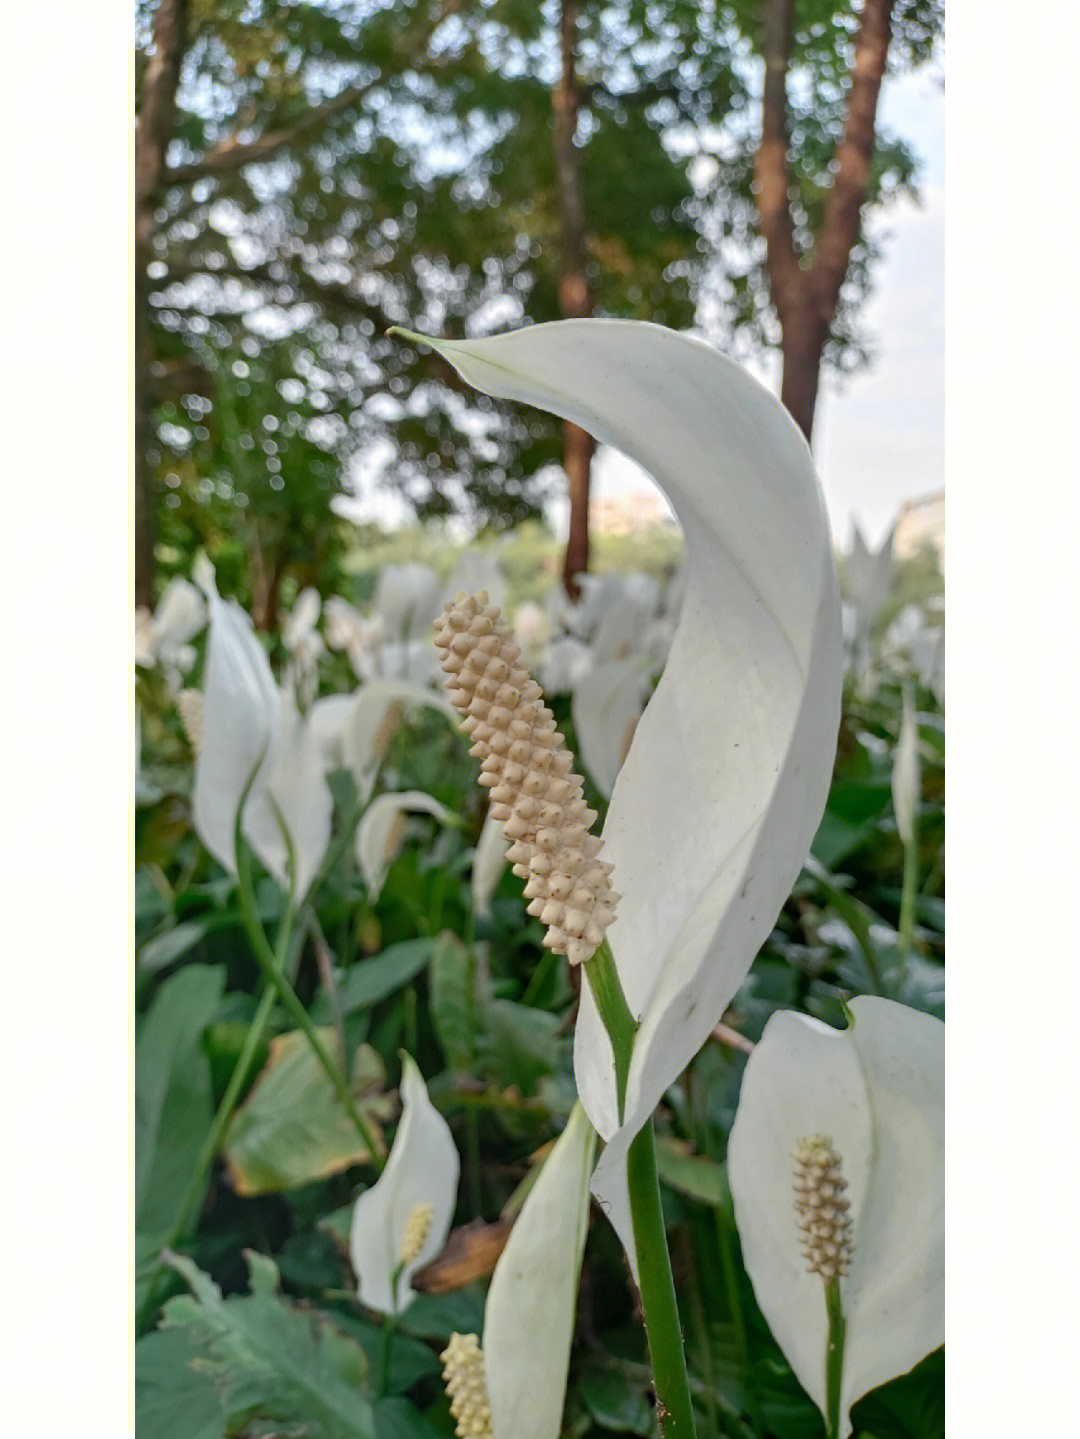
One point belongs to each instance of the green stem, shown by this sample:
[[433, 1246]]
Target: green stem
[[619, 1022], [655, 1282], [657, 1288], [834, 1358], [275, 976]]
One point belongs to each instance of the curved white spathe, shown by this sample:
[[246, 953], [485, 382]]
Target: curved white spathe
[[422, 1168], [876, 1090], [529, 1314], [725, 782], [606, 705], [252, 733], [381, 830], [370, 725]]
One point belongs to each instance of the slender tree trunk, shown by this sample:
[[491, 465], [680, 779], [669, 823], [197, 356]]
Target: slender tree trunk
[[153, 131], [805, 296], [575, 296]]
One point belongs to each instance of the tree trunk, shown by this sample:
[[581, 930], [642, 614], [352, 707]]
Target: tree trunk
[[575, 296], [804, 337], [153, 131], [805, 296]]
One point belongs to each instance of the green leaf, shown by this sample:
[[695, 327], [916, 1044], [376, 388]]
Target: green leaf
[[173, 1399], [374, 979], [172, 944], [850, 818], [521, 1044], [691, 1174], [911, 1407], [292, 1128], [396, 1418], [269, 1361], [453, 990], [173, 1104], [410, 1360], [614, 1403]]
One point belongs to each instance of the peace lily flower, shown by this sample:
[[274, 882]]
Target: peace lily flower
[[381, 832], [406, 600], [165, 636], [870, 1098], [402, 1221], [304, 644], [726, 779], [253, 738], [514, 1385]]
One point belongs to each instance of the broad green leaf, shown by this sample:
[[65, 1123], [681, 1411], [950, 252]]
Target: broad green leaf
[[521, 1044], [694, 1175], [173, 1103], [173, 1399], [398, 1419], [911, 1407], [292, 1128], [371, 980], [614, 1402], [410, 1360], [270, 1361], [453, 987]]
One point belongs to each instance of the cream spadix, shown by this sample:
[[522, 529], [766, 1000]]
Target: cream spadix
[[725, 781]]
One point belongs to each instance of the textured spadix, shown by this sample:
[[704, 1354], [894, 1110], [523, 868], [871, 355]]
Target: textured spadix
[[877, 1091], [535, 795], [725, 781]]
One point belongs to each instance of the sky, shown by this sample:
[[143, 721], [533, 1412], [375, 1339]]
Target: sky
[[879, 435]]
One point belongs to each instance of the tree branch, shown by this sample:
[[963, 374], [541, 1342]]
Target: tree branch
[[840, 228], [232, 154], [771, 181]]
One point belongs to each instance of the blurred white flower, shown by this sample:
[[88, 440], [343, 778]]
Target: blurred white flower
[[414, 1197], [876, 1092], [304, 645], [407, 600], [163, 638], [606, 706], [411, 661], [722, 790], [489, 861], [474, 571], [253, 735], [905, 774], [381, 832], [868, 576], [374, 715]]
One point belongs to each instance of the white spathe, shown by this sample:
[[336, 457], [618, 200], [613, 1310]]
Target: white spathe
[[369, 725], [606, 706], [529, 1315], [381, 830], [253, 733], [422, 1168], [905, 774], [489, 861], [725, 782], [407, 600], [876, 1090]]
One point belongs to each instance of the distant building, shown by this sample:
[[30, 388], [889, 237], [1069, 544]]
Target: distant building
[[627, 514], [921, 522]]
